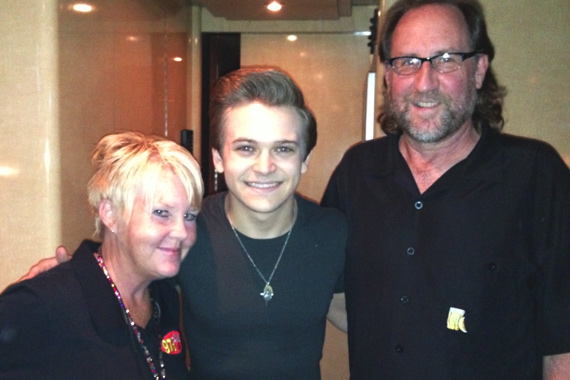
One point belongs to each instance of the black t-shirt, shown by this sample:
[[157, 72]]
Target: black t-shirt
[[232, 332]]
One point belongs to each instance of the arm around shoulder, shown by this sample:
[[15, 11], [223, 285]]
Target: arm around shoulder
[[61, 256]]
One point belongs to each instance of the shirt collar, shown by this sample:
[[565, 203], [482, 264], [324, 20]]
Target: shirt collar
[[485, 162]]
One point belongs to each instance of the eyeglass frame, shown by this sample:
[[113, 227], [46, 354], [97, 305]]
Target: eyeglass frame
[[463, 55]]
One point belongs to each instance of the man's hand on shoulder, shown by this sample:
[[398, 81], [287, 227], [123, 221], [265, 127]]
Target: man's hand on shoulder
[[61, 256]]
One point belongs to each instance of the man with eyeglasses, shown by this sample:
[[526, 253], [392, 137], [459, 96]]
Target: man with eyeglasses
[[458, 259]]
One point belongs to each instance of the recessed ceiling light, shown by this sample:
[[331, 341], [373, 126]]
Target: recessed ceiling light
[[292, 37], [274, 6], [82, 7]]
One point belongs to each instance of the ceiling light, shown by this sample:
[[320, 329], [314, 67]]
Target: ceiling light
[[83, 8], [292, 37], [274, 6]]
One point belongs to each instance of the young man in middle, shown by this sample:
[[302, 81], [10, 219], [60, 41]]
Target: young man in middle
[[258, 283]]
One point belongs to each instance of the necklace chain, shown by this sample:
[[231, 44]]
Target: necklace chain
[[133, 325], [267, 293]]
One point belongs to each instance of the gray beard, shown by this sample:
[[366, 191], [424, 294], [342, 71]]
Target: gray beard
[[454, 115]]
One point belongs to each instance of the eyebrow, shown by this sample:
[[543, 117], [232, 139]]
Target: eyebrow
[[251, 141], [437, 52]]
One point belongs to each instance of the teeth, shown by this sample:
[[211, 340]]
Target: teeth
[[426, 104], [262, 185]]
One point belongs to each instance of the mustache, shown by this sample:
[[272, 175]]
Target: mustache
[[426, 97]]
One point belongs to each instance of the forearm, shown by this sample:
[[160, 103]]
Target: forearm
[[557, 367], [337, 312]]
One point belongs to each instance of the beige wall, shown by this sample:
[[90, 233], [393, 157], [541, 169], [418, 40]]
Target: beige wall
[[29, 130], [532, 40]]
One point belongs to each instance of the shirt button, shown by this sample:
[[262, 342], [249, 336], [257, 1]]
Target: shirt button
[[418, 205], [404, 300], [399, 348], [410, 251]]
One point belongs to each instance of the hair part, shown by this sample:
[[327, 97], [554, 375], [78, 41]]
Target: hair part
[[130, 165], [490, 97], [268, 86]]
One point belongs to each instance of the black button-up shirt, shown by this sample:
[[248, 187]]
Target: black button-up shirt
[[467, 280]]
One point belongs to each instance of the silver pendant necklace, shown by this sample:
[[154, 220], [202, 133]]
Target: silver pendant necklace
[[267, 292]]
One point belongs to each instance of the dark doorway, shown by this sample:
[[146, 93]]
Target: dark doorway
[[220, 55]]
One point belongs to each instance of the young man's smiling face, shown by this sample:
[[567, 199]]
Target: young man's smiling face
[[262, 157]]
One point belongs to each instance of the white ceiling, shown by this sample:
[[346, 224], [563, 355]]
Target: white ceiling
[[292, 9]]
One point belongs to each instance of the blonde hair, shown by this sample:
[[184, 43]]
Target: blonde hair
[[130, 164]]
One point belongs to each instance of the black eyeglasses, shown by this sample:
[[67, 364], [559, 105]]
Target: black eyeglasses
[[443, 63]]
